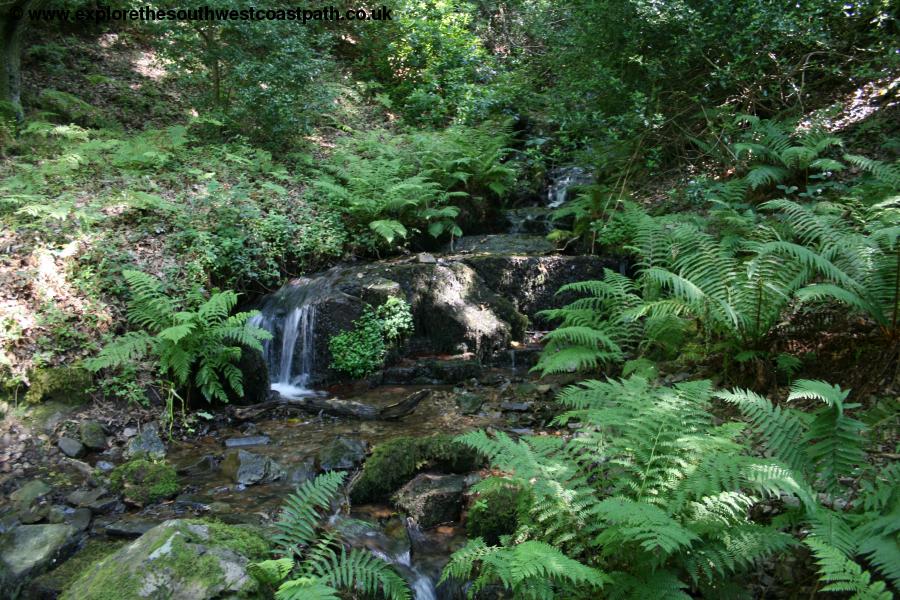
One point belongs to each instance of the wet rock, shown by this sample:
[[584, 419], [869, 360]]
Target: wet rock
[[516, 406], [80, 518], [242, 442], [144, 481], [246, 468], [306, 471], [189, 559], [504, 244], [98, 500], [130, 528], [432, 499], [104, 466], [341, 454], [70, 447], [425, 258], [469, 404], [29, 550], [255, 382], [192, 502], [92, 435], [146, 443], [206, 464], [29, 494]]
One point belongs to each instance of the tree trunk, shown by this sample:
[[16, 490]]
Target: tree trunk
[[13, 21]]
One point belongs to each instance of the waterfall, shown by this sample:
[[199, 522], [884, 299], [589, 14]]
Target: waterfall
[[290, 316], [563, 179]]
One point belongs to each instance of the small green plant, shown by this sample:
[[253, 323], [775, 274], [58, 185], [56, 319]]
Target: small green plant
[[204, 342], [361, 351], [313, 564]]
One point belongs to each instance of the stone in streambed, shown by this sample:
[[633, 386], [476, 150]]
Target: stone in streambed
[[70, 447], [342, 454], [246, 468], [147, 443], [469, 404], [432, 499], [92, 435], [26, 496], [29, 550], [242, 442]]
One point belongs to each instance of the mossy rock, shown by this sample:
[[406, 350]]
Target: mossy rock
[[395, 462], [494, 513], [68, 385], [144, 481], [50, 585], [72, 109], [188, 558]]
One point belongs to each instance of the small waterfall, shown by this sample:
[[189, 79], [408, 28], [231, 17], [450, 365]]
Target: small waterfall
[[563, 179], [290, 316]]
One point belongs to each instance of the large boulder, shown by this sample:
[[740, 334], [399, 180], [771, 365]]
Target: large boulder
[[185, 559], [531, 282], [29, 550], [432, 499]]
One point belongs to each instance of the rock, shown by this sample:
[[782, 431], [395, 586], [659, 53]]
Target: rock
[[147, 443], [98, 500], [68, 385], [80, 518], [92, 435], [29, 550], [242, 442], [186, 559], [246, 468], [306, 471], [341, 454], [71, 447], [425, 258], [206, 464], [26, 496], [516, 406], [51, 585], [432, 499], [145, 481], [469, 404], [504, 244], [104, 466], [531, 282], [131, 528]]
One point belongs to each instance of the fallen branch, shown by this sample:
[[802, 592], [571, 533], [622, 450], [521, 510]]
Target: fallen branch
[[336, 407]]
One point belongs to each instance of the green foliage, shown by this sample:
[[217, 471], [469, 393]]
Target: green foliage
[[204, 341], [652, 493], [361, 351], [145, 481], [310, 566]]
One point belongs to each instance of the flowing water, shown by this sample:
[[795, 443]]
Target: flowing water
[[290, 316], [558, 192]]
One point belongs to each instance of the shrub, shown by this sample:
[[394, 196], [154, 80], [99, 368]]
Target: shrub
[[361, 351]]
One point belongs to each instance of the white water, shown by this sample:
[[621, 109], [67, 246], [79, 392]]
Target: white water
[[291, 364], [558, 191]]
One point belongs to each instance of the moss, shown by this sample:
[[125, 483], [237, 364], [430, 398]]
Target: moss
[[243, 539], [59, 384], [494, 513], [106, 580], [63, 576], [395, 462], [144, 481]]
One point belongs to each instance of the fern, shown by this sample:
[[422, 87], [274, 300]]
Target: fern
[[843, 575], [296, 528], [205, 342]]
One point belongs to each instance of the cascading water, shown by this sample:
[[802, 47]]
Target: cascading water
[[564, 179], [290, 316]]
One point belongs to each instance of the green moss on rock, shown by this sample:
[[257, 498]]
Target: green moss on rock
[[395, 462], [494, 513], [72, 109], [145, 481], [189, 558], [52, 583], [69, 385]]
